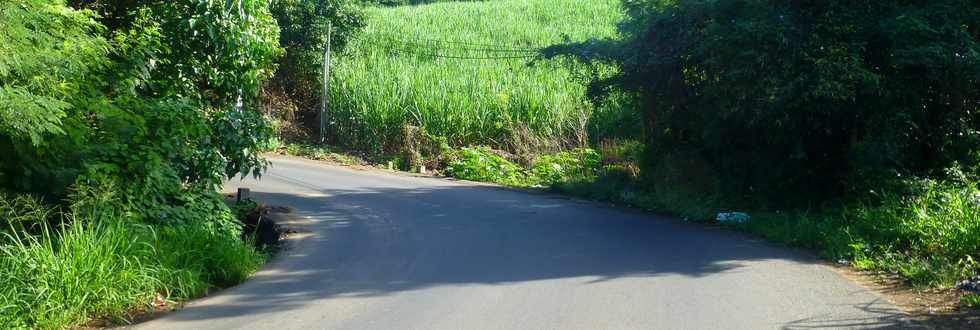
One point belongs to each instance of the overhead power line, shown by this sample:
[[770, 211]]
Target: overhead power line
[[451, 49], [486, 50], [461, 43], [460, 57]]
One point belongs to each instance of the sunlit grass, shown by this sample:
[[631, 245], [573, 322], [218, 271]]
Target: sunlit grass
[[98, 265], [376, 90]]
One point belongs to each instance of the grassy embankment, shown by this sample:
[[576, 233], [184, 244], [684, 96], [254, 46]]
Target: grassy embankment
[[61, 268]]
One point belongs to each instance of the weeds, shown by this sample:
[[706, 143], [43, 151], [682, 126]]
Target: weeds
[[64, 277], [480, 164], [971, 300], [577, 164], [96, 264], [486, 165]]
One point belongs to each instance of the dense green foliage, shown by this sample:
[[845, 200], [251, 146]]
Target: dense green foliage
[[971, 300], [293, 94], [577, 164], [483, 164], [46, 51], [96, 264], [388, 77], [811, 97], [929, 235], [151, 103], [155, 106], [207, 58]]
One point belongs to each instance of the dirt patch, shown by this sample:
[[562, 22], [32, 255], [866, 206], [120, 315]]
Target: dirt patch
[[931, 308]]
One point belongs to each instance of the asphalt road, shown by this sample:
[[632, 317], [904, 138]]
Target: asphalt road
[[387, 251]]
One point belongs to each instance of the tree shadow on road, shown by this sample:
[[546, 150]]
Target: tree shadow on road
[[876, 317], [380, 241]]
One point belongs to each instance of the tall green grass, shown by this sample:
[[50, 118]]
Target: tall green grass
[[928, 232], [385, 80], [57, 279], [95, 264]]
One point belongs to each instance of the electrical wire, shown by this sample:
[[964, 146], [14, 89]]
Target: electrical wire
[[404, 52], [466, 43], [486, 46], [485, 50], [417, 49]]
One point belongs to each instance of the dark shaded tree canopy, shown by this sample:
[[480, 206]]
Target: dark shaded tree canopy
[[801, 96]]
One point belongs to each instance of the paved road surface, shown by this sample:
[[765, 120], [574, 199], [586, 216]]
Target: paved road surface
[[385, 251]]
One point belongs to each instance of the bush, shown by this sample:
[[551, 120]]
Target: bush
[[928, 236], [482, 164], [97, 263], [164, 103], [800, 98], [200, 57], [45, 52], [578, 164], [486, 165], [971, 300]]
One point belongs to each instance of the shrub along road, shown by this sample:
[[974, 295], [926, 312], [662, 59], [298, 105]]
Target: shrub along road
[[386, 251]]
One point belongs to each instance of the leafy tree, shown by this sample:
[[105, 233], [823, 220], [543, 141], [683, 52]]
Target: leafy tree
[[214, 53], [46, 49], [121, 112], [160, 100], [811, 97]]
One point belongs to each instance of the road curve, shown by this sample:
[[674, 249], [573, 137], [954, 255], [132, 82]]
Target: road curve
[[387, 251]]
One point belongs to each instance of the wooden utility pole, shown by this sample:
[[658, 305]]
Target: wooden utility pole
[[325, 98]]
